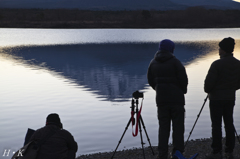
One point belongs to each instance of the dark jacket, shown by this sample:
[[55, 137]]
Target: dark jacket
[[223, 78], [58, 146], [167, 76]]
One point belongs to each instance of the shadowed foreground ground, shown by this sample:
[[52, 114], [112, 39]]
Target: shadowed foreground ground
[[201, 146]]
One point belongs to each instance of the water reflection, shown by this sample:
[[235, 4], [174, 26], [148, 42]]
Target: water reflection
[[112, 71]]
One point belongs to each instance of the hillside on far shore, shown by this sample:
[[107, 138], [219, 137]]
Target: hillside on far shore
[[192, 17]]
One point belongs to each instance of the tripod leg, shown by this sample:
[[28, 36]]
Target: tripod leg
[[140, 129], [196, 121], [141, 120], [237, 135], [122, 136]]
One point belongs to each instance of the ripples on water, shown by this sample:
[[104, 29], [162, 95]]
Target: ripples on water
[[90, 86]]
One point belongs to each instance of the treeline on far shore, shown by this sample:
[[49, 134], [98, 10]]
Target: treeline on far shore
[[193, 17]]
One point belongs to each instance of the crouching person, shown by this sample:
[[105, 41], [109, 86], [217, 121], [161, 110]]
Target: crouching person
[[58, 143]]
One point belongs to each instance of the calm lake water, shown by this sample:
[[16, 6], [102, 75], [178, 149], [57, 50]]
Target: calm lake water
[[88, 76]]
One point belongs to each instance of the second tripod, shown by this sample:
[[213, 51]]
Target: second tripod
[[139, 122]]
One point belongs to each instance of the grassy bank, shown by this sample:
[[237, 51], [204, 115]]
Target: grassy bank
[[193, 17]]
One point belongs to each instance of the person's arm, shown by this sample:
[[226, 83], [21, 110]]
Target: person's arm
[[238, 84], [71, 143], [182, 76], [211, 78], [150, 77]]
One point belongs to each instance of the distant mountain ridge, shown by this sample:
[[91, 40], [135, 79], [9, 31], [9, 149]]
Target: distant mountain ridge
[[92, 4], [119, 4], [214, 4]]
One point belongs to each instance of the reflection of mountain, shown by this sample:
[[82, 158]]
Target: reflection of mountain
[[113, 71]]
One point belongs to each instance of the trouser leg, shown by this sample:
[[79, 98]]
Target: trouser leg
[[178, 115], [164, 131], [229, 127], [216, 111]]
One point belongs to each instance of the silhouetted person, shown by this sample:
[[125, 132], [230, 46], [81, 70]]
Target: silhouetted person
[[167, 76], [60, 144], [221, 83]]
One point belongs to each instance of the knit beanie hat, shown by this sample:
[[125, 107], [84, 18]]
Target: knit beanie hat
[[54, 119], [227, 44], [167, 45]]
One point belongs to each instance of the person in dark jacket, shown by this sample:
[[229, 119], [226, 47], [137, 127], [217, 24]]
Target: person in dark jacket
[[221, 83], [167, 76], [60, 144]]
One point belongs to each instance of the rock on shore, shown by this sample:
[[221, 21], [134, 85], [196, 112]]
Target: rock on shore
[[201, 146]]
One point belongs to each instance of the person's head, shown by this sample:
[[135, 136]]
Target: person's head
[[53, 119], [226, 46], [166, 45]]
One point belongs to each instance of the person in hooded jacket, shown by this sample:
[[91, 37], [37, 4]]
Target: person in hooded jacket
[[167, 76], [59, 144], [221, 83]]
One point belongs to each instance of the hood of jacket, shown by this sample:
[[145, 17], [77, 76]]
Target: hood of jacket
[[162, 56]]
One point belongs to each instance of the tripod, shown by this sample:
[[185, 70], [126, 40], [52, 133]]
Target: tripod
[[139, 118], [196, 120]]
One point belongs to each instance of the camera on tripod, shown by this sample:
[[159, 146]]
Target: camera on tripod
[[137, 94], [139, 121]]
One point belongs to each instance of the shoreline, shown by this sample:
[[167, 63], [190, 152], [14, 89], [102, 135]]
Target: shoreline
[[200, 146], [192, 17]]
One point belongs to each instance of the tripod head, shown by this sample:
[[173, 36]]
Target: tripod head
[[136, 95]]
